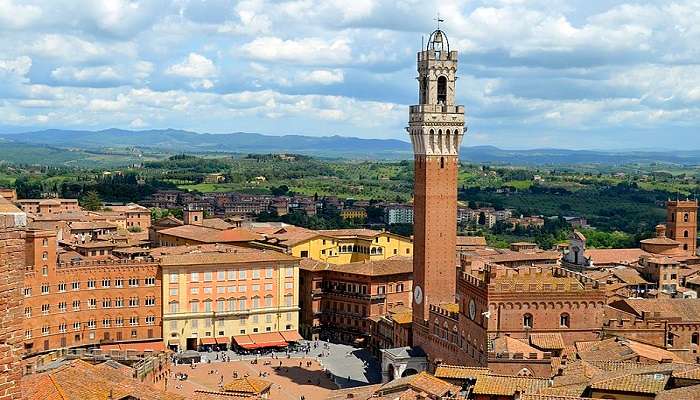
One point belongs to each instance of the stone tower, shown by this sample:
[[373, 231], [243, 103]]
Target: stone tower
[[682, 223], [436, 127]]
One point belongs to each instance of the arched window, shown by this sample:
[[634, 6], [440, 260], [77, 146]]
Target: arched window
[[442, 162], [442, 90], [685, 234], [669, 339], [527, 321], [685, 246], [695, 338], [374, 250], [379, 250], [564, 321], [686, 217]]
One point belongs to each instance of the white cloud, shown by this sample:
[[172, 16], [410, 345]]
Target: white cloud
[[19, 66], [194, 66], [17, 16], [93, 74], [138, 123], [322, 77], [307, 51]]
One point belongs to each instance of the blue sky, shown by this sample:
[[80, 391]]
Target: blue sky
[[568, 74]]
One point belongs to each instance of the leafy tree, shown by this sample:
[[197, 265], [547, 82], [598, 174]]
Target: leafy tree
[[91, 201]]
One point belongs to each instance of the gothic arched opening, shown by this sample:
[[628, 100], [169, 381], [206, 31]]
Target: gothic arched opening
[[442, 90], [409, 372]]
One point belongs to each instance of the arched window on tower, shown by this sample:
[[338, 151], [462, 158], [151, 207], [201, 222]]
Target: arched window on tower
[[442, 90], [685, 234], [695, 338], [686, 217], [564, 320], [442, 162], [527, 321]]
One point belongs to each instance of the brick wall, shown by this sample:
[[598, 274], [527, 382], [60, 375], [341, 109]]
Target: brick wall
[[11, 270]]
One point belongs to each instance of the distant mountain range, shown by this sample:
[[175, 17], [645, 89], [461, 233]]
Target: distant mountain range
[[179, 141]]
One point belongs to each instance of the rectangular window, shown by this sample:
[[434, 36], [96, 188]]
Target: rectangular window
[[150, 301], [232, 275], [194, 290], [289, 285], [289, 272], [256, 274], [220, 305], [133, 301], [44, 288], [256, 302], [221, 275], [173, 292], [256, 288], [75, 285], [268, 287], [268, 272], [241, 274], [27, 292], [220, 289], [194, 277], [133, 321], [119, 321], [207, 290], [207, 306], [194, 306], [119, 302], [92, 304], [106, 283], [27, 312], [119, 282], [45, 309], [133, 282], [268, 301], [242, 304], [173, 277], [150, 320], [207, 276], [242, 289], [106, 303], [91, 283], [173, 308], [76, 305], [62, 287], [150, 281], [106, 323]]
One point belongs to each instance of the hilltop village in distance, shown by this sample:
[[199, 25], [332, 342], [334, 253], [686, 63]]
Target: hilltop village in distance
[[437, 292]]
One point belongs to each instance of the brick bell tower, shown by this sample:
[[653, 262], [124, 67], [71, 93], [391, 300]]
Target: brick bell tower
[[682, 223], [436, 128]]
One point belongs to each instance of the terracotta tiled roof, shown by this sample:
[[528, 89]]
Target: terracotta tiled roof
[[350, 233], [389, 266], [211, 235], [685, 309], [405, 317], [247, 385], [614, 256], [471, 241], [208, 395], [234, 256], [421, 382], [550, 397], [289, 235], [685, 393], [547, 341], [635, 383], [629, 276], [359, 393], [508, 385], [81, 380], [216, 223], [513, 256], [690, 373], [617, 349], [444, 371], [507, 344]]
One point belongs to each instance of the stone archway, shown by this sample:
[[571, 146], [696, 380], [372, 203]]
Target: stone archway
[[409, 372]]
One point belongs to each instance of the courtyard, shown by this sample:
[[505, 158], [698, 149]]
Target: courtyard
[[313, 375]]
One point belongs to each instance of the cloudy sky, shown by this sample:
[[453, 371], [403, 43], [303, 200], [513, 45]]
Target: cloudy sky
[[569, 74]]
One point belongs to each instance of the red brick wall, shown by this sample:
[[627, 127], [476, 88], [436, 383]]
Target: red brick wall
[[435, 231], [11, 270]]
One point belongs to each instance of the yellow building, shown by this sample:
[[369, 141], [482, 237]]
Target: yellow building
[[337, 246], [353, 213], [214, 293]]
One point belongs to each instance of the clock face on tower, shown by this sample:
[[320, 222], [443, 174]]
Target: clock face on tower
[[472, 309], [417, 295]]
